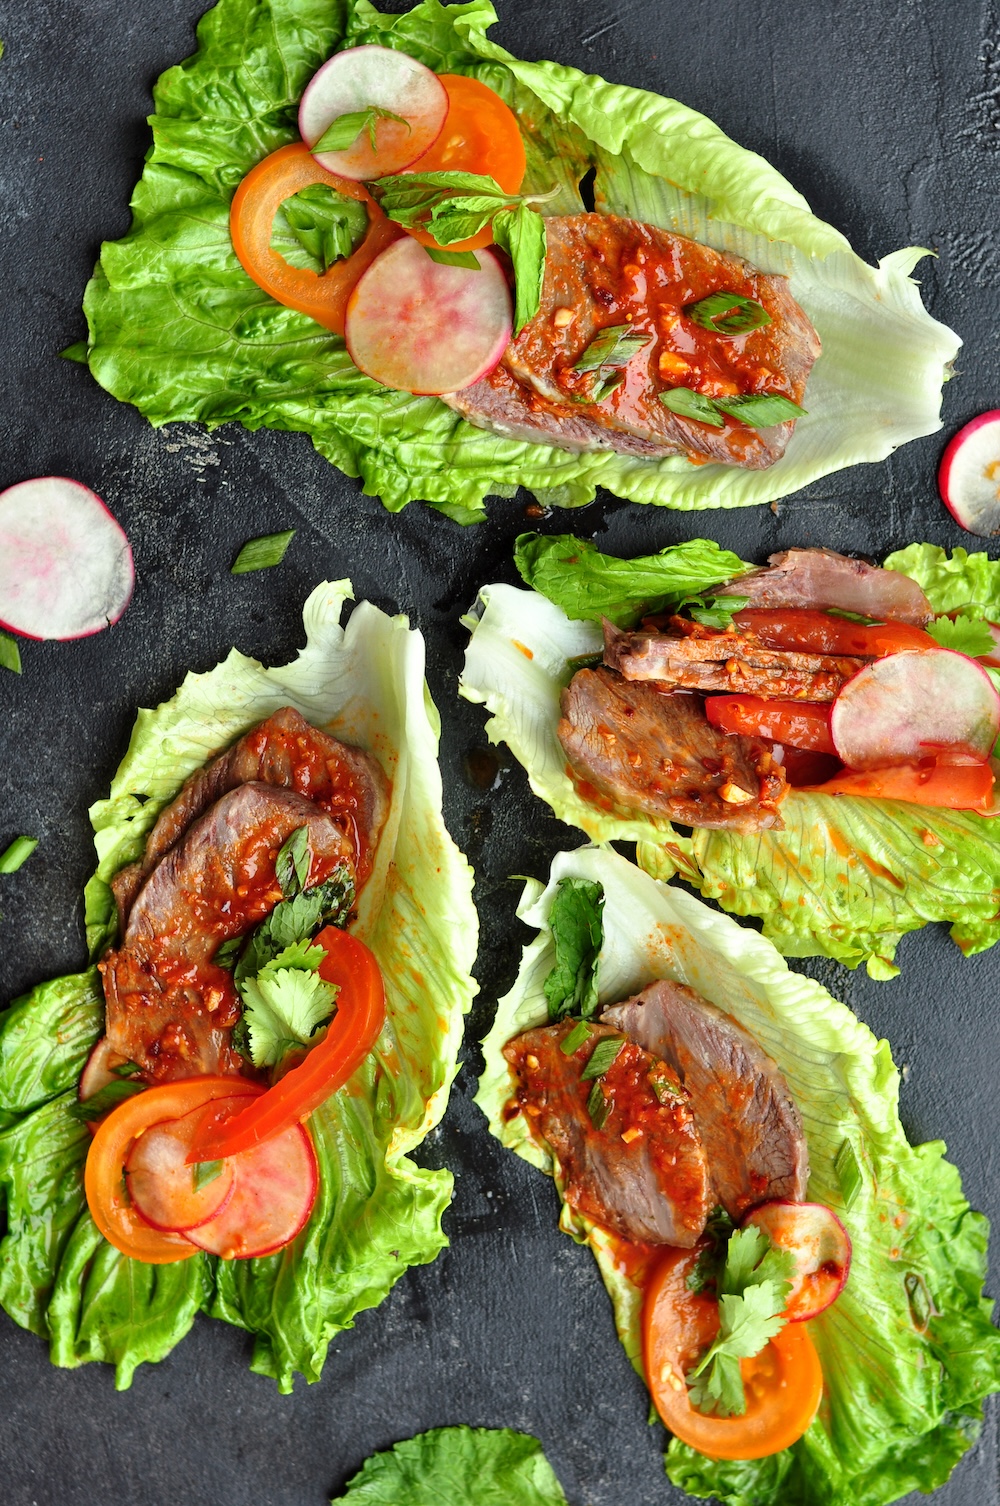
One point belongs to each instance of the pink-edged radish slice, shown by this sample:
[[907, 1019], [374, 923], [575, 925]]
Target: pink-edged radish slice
[[378, 78], [821, 1247], [97, 1070], [165, 1191], [969, 475], [914, 705], [273, 1195], [992, 658], [424, 327], [66, 566]]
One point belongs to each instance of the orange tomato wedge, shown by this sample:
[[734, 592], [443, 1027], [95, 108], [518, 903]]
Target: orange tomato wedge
[[955, 787], [104, 1176], [480, 135], [350, 1036], [783, 1383], [255, 203]]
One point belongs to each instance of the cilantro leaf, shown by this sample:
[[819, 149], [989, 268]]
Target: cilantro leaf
[[753, 1285], [297, 919], [577, 932], [965, 635], [282, 1009]]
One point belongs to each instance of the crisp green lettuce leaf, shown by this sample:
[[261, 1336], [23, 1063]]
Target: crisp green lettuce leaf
[[845, 878], [177, 328], [458, 1467], [908, 1350], [953, 580], [377, 1212]]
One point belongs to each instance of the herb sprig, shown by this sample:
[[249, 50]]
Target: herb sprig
[[753, 1286]]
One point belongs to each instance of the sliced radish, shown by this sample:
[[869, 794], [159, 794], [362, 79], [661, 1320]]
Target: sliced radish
[[821, 1247], [66, 567], [969, 475], [912, 705], [424, 327], [363, 78], [97, 1073], [273, 1194], [164, 1189], [993, 657]]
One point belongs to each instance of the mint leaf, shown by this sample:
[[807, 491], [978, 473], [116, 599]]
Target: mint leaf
[[577, 932], [342, 133], [521, 233], [316, 227]]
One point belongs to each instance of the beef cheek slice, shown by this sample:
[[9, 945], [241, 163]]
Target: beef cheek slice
[[746, 1116], [642, 753], [642, 1173], [287, 752], [821, 578], [170, 1008]]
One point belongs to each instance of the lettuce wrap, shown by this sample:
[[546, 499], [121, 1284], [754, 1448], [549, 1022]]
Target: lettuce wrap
[[908, 1349], [376, 1212], [458, 1467], [176, 326], [847, 877]]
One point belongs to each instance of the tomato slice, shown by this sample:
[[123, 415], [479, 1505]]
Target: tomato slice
[[480, 135], [804, 631], [783, 1383], [104, 1175], [351, 1035], [956, 787], [255, 203], [796, 724]]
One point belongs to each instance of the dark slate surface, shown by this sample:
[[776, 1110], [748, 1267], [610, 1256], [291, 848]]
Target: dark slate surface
[[887, 116]]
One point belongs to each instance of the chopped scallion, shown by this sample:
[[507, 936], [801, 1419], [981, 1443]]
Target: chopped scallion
[[598, 1107], [728, 314], [576, 1038], [17, 854], [10, 654], [848, 1173], [603, 1057], [262, 553]]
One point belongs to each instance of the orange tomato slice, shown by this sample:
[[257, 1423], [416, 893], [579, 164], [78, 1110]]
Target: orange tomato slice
[[480, 135], [104, 1176], [255, 203], [783, 1383], [956, 787]]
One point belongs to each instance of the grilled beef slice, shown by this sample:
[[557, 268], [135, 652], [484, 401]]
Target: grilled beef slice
[[726, 662], [170, 1009], [652, 1186], [648, 754], [287, 752], [822, 578], [603, 271], [746, 1117]]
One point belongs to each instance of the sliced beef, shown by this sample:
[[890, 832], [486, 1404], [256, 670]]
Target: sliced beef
[[642, 753], [170, 1009], [748, 1121], [822, 578], [726, 662], [287, 752], [603, 271], [643, 1173]]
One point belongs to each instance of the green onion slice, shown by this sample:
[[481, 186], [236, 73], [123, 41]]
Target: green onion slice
[[17, 854], [262, 553], [728, 314]]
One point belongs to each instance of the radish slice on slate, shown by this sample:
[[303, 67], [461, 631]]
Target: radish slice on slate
[[969, 475], [66, 566], [914, 705], [375, 79], [273, 1194], [820, 1245], [420, 326], [165, 1191]]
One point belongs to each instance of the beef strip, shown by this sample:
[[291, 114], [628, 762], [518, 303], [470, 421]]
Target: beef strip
[[748, 1121], [726, 662], [822, 578], [287, 752], [644, 753], [603, 271], [170, 1009], [651, 1187]]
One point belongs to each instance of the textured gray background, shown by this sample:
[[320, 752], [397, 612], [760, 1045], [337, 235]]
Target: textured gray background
[[886, 114]]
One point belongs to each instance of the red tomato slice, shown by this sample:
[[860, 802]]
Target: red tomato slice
[[964, 787], [796, 724], [104, 1175], [803, 631], [255, 203], [783, 1383], [480, 135], [351, 1035]]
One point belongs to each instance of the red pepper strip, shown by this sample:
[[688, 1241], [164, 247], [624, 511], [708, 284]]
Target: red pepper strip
[[351, 1035], [255, 203], [795, 724]]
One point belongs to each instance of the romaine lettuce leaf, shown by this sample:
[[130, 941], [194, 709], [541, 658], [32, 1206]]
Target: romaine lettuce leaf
[[846, 878], [908, 1350], [458, 1467], [377, 1212], [178, 328]]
